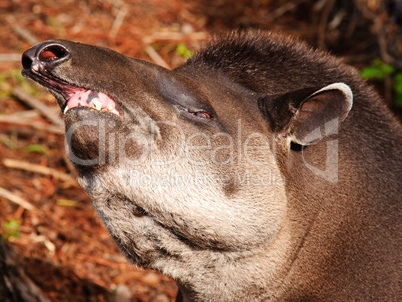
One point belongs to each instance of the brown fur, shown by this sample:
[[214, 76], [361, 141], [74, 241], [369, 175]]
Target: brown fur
[[324, 225]]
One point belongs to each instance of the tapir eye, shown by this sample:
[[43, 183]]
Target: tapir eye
[[202, 114], [198, 113]]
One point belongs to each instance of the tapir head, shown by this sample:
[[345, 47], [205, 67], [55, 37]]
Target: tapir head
[[187, 164]]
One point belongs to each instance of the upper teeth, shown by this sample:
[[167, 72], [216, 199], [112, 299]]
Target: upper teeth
[[97, 104], [95, 100]]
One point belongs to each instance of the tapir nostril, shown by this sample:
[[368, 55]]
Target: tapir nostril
[[26, 61], [52, 53]]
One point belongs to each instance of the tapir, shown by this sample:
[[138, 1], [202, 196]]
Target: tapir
[[260, 170]]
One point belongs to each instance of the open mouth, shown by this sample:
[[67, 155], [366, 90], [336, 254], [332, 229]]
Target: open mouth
[[76, 97], [93, 99]]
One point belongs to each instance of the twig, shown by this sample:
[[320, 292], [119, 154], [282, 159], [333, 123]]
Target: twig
[[69, 164], [36, 104], [323, 23], [156, 57], [336, 21], [105, 262], [13, 119], [25, 114], [118, 21], [42, 238], [378, 29], [351, 28], [22, 165], [382, 41], [10, 57], [283, 9], [175, 36], [25, 34], [16, 199]]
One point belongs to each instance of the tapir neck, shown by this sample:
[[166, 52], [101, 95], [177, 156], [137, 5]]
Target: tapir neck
[[339, 192]]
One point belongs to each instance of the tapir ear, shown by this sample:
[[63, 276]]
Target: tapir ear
[[303, 114]]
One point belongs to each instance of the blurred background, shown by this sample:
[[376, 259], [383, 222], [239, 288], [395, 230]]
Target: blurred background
[[53, 245]]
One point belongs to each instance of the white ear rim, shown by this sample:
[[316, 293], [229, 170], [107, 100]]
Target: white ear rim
[[330, 126], [344, 88]]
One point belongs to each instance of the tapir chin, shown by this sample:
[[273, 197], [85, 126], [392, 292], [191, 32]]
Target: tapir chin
[[260, 170]]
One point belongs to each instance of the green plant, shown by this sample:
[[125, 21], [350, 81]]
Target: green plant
[[398, 88], [9, 142], [36, 148], [53, 22], [10, 229], [182, 50], [378, 70], [13, 78]]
